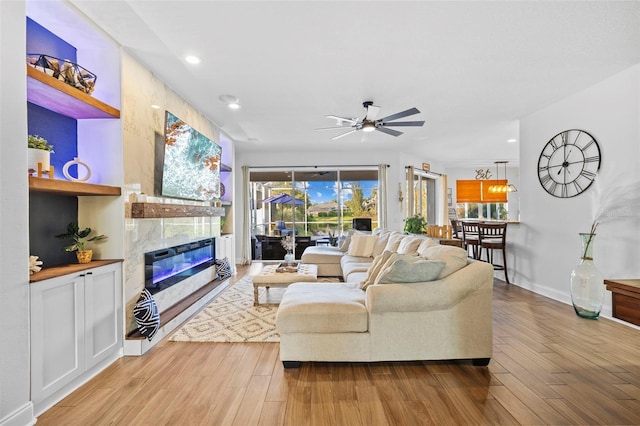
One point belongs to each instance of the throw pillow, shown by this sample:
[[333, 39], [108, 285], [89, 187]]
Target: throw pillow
[[381, 243], [455, 258], [344, 244], [409, 245], [223, 268], [394, 241], [362, 245], [375, 268], [145, 311], [425, 244], [411, 269]]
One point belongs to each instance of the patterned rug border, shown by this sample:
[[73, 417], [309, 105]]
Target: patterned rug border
[[231, 318]]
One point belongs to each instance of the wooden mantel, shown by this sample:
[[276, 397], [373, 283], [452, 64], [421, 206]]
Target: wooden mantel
[[162, 210]]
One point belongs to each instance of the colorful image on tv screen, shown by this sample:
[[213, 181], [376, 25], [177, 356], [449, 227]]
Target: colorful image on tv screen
[[191, 168]]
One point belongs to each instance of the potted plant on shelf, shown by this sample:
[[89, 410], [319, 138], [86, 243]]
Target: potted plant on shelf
[[415, 224], [80, 238], [39, 152]]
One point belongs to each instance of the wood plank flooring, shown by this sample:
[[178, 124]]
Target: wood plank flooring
[[549, 367]]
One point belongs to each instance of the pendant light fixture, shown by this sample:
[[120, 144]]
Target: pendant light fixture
[[498, 188]]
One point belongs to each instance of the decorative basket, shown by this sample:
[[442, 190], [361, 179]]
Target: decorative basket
[[72, 74]]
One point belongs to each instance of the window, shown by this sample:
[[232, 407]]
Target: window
[[322, 201], [474, 201]]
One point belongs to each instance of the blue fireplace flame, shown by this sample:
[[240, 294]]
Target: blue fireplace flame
[[167, 267]]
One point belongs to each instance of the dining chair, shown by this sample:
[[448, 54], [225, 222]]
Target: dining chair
[[493, 236], [471, 238], [455, 228]]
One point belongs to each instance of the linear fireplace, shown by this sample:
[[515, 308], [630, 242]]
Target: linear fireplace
[[166, 267]]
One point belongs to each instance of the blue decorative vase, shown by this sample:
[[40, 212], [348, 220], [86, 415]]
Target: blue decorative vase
[[587, 282]]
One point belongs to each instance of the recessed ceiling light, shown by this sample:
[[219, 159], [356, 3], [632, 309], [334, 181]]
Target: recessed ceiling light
[[512, 140], [154, 106], [232, 101], [192, 59]]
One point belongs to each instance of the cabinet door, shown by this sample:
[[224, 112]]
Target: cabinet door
[[57, 334], [103, 312]]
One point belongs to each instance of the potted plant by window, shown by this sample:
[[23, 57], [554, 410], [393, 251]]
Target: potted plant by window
[[415, 224], [39, 152], [80, 238]]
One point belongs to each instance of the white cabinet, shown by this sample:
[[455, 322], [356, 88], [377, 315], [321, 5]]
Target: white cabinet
[[76, 323], [225, 248]]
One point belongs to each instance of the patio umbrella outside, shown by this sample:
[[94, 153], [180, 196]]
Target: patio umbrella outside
[[283, 199]]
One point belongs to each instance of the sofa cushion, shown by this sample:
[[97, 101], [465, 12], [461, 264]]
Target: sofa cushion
[[375, 268], [410, 269], [455, 258], [322, 308], [362, 245], [353, 267], [409, 245], [321, 255]]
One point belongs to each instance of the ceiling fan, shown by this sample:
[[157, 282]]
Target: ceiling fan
[[369, 122]]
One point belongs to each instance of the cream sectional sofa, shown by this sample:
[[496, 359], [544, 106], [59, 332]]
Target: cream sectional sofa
[[422, 302]]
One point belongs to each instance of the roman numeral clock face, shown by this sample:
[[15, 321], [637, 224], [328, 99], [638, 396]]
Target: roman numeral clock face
[[568, 163]]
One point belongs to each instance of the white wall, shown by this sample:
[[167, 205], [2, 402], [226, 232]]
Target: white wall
[[15, 405], [610, 111]]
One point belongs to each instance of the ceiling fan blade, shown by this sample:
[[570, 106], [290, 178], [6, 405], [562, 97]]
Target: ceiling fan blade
[[372, 112], [410, 111], [388, 131], [343, 134], [404, 123], [333, 128], [345, 119]]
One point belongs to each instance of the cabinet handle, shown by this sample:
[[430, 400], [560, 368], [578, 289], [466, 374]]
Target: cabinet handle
[[89, 273]]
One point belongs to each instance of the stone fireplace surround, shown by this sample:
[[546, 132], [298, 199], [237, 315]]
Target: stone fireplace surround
[[147, 235]]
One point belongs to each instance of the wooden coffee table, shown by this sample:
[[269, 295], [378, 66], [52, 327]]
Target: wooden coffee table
[[268, 277]]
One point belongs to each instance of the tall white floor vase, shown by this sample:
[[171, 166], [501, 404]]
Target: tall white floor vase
[[587, 282]]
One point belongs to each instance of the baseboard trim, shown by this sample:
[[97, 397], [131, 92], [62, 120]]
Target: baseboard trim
[[23, 416]]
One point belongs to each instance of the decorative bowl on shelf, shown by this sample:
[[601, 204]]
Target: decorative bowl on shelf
[[64, 70]]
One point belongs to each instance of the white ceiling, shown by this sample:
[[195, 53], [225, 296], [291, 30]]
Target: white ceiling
[[472, 68]]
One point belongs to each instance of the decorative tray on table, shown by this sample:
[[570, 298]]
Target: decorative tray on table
[[287, 267]]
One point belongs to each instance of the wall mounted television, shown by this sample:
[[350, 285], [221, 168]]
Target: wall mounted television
[[191, 164]]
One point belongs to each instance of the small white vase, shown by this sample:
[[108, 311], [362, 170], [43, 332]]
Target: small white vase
[[36, 156], [289, 257]]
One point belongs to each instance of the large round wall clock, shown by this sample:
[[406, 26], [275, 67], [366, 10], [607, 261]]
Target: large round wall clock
[[568, 163]]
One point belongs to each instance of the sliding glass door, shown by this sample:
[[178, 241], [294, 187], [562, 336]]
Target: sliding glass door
[[318, 203]]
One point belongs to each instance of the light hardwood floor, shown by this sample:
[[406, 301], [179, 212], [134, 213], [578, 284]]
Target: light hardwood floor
[[549, 367]]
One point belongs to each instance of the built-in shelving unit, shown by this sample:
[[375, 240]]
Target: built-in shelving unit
[[62, 187], [162, 210], [57, 96]]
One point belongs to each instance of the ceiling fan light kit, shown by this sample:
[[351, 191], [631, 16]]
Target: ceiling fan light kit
[[370, 122]]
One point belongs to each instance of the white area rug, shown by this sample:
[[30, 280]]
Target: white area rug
[[231, 316]]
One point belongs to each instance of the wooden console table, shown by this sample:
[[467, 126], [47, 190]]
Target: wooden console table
[[625, 299]]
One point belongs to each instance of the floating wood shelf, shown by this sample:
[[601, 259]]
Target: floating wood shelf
[[58, 271], [56, 95], [64, 187], [161, 210]]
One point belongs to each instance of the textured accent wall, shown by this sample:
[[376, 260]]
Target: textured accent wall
[[143, 129]]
